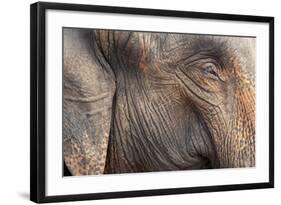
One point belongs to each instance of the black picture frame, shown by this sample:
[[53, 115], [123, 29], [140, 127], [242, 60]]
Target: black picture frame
[[38, 101]]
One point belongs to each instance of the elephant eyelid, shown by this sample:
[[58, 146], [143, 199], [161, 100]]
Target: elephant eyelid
[[210, 70]]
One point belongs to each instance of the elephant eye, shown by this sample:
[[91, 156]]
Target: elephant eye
[[210, 70]]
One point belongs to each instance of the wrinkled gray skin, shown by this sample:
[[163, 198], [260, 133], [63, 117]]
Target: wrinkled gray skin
[[140, 102]]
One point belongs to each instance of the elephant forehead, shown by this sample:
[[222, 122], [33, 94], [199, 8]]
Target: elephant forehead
[[173, 41], [139, 50], [232, 52], [217, 46]]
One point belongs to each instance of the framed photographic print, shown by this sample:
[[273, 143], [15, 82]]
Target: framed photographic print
[[129, 102]]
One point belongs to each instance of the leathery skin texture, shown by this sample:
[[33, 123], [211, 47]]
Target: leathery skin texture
[[146, 101]]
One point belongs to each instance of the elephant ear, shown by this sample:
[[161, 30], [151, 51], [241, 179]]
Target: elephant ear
[[89, 88]]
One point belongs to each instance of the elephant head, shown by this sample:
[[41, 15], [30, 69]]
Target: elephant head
[[140, 101]]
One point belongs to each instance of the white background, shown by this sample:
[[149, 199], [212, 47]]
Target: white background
[[14, 109]]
